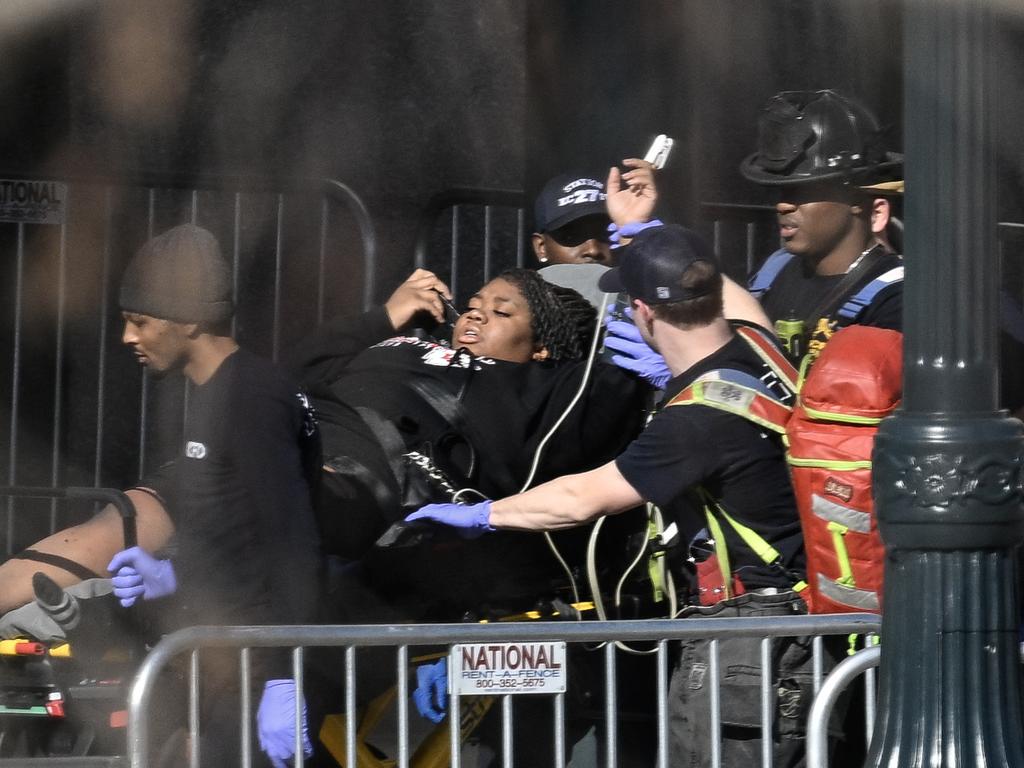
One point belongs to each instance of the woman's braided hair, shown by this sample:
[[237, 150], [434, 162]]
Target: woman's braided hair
[[560, 318]]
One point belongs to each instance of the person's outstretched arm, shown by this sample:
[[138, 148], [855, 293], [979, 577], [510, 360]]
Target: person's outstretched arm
[[739, 304], [564, 502]]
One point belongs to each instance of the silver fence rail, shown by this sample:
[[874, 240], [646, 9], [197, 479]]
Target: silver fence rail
[[470, 235], [78, 412], [838, 680], [145, 694]]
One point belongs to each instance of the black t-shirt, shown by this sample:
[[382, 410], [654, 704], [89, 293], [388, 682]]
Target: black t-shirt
[[737, 462], [245, 549], [797, 291]]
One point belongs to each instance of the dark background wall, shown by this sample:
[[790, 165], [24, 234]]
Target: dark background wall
[[403, 99], [399, 99]]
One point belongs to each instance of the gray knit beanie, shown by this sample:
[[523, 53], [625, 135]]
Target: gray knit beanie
[[179, 275]]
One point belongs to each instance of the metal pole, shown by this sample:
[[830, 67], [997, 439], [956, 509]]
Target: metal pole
[[947, 466]]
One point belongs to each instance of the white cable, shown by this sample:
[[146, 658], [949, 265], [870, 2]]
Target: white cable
[[591, 357], [595, 586]]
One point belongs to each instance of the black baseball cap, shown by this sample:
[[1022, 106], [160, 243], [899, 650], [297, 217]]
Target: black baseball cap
[[652, 266], [566, 198]]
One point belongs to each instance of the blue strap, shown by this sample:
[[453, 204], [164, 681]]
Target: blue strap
[[765, 276], [862, 298]]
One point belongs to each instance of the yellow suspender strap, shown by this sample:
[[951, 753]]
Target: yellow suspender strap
[[751, 538]]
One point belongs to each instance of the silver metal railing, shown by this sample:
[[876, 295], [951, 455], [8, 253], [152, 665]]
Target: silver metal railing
[[470, 235], [838, 680], [145, 690]]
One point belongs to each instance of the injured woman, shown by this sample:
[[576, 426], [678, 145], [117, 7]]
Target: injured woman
[[513, 399]]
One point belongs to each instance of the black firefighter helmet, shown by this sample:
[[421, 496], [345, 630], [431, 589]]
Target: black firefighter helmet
[[819, 136]]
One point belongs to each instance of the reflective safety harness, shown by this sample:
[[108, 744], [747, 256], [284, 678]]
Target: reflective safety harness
[[741, 394]]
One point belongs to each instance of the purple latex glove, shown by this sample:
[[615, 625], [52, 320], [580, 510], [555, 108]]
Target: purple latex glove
[[472, 520], [635, 353], [138, 574], [431, 694], [275, 722], [616, 233]]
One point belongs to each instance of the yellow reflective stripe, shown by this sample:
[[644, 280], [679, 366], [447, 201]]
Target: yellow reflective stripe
[[839, 466], [845, 418], [839, 544], [581, 607]]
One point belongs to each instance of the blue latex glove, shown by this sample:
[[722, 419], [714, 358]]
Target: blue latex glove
[[472, 520], [616, 233], [138, 574], [431, 694], [635, 354], [275, 722]]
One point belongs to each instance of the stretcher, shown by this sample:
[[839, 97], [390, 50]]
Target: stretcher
[[62, 700]]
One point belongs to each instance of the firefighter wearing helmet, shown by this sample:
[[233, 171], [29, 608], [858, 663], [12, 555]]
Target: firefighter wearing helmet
[[824, 156]]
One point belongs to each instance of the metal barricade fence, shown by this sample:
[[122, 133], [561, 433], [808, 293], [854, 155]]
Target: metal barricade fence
[[79, 413], [839, 679], [468, 236], [351, 639], [742, 236]]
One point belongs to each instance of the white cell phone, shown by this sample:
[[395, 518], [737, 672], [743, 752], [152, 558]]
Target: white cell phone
[[658, 153]]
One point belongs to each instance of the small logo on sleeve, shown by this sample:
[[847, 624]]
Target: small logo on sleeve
[[195, 450]]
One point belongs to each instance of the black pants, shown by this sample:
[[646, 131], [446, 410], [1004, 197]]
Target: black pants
[[792, 689]]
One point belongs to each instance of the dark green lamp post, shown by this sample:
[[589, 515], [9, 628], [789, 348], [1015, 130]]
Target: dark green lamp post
[[948, 466]]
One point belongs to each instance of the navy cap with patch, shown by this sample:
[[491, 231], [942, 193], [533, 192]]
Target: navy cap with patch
[[566, 198], [652, 266]]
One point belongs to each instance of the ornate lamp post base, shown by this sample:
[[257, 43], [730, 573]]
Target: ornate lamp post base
[[949, 500]]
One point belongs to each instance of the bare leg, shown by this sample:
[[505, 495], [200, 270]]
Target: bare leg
[[90, 544]]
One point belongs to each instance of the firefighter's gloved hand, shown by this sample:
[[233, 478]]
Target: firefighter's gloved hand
[[275, 722], [138, 574], [472, 520], [634, 354], [431, 694]]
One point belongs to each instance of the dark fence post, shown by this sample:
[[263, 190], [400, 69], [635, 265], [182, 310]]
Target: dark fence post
[[948, 466]]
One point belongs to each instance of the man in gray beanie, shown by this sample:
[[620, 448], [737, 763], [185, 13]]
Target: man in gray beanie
[[176, 303], [179, 275], [239, 492]]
